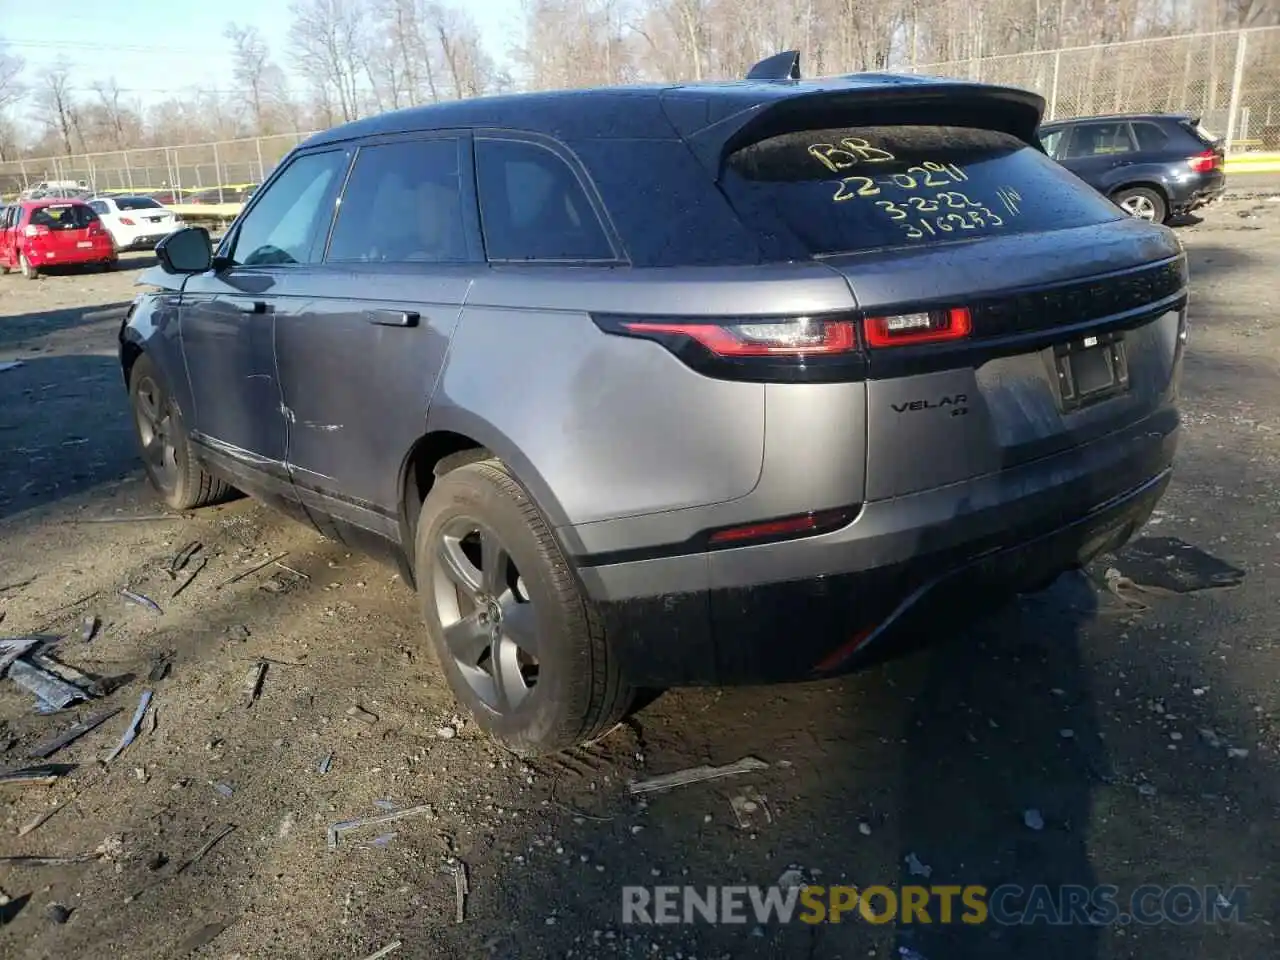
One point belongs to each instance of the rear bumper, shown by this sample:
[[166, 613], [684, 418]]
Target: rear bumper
[[822, 605], [71, 256], [1199, 190]]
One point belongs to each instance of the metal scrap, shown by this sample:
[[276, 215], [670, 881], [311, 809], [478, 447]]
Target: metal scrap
[[141, 600], [48, 748], [53, 861], [337, 829], [389, 948], [15, 647], [184, 557], [132, 731], [145, 518], [325, 763], [252, 570], [208, 845], [253, 683], [697, 775], [195, 572], [38, 820], [89, 628], [50, 689], [462, 887], [42, 775], [68, 673]]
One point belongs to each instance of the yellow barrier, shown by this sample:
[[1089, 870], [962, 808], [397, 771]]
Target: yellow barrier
[[206, 211], [1253, 163]]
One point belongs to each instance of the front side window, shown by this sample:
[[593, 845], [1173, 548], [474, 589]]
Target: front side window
[[402, 204], [279, 228], [1099, 140], [1052, 141], [533, 207]]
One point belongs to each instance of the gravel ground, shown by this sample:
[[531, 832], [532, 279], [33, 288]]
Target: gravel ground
[[1144, 739]]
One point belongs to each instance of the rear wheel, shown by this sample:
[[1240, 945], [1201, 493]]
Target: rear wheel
[[1143, 203], [520, 645], [167, 455], [28, 270]]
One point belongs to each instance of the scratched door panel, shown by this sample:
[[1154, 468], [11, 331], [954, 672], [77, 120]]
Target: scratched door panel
[[357, 367]]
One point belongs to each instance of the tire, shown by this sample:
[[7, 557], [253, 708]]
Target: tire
[[28, 269], [167, 453], [1142, 203], [577, 691]]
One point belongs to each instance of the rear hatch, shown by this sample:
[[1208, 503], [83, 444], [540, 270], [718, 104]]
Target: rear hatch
[[145, 212], [64, 227], [1007, 311]]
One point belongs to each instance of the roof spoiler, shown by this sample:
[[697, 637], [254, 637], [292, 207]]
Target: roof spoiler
[[781, 66]]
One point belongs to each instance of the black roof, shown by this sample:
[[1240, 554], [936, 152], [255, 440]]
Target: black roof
[[656, 111], [1119, 116]]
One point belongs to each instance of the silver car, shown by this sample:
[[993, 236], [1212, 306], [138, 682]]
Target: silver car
[[711, 383]]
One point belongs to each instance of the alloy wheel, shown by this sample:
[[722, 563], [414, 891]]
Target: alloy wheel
[[489, 622], [1139, 206], [156, 432]]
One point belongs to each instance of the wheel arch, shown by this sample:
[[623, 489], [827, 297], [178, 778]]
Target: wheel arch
[[453, 438], [1142, 184]]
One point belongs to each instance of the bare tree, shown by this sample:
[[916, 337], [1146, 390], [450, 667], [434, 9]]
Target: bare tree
[[11, 87], [55, 105], [257, 75], [327, 37]]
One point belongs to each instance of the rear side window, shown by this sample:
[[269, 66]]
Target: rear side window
[[1150, 136], [1099, 140], [75, 216], [402, 204], [533, 207], [860, 188]]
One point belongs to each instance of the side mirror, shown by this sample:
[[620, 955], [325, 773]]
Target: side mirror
[[188, 250]]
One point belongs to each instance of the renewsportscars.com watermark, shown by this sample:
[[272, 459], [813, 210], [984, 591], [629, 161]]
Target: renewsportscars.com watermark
[[1009, 905]]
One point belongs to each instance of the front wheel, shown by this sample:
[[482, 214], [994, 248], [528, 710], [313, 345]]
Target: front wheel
[[167, 454], [1142, 203], [520, 645]]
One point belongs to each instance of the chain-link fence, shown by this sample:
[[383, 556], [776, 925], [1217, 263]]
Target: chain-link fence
[[213, 172], [1230, 80]]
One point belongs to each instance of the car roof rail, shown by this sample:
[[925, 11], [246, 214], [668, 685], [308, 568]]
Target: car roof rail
[[781, 66]]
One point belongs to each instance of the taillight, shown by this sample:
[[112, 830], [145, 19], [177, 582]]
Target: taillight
[[906, 329], [1204, 162], [805, 524], [95, 228], [127, 222], [797, 337]]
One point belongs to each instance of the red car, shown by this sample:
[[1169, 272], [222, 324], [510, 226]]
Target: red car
[[35, 234]]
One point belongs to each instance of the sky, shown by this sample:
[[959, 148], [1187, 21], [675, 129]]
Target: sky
[[155, 48]]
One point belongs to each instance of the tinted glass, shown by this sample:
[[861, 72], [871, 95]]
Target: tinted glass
[[1099, 139], [1150, 136], [280, 227], [402, 204], [75, 216], [136, 203], [841, 190], [1052, 141], [533, 207]]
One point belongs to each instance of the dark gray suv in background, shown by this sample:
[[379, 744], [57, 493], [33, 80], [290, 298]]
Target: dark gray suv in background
[[711, 383]]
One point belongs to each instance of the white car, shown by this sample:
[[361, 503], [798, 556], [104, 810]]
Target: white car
[[135, 222]]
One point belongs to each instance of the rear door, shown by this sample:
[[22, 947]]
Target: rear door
[[1009, 312], [358, 358], [1098, 152]]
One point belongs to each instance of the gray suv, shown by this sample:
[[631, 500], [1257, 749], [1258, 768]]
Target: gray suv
[[712, 383]]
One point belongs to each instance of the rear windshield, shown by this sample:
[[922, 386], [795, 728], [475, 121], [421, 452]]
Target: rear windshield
[[75, 216], [861, 188], [136, 203]]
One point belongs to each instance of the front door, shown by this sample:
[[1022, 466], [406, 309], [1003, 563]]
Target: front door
[[359, 360], [228, 318], [7, 231]]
